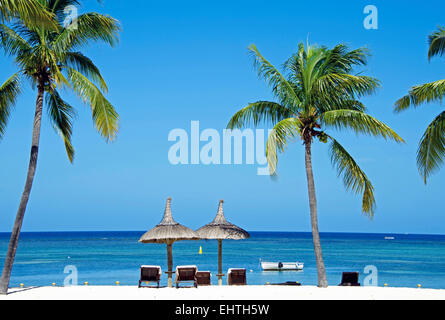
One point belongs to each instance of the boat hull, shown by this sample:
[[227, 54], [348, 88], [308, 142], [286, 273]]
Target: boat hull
[[282, 266]]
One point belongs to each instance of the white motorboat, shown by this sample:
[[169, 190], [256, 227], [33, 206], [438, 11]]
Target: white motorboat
[[281, 266]]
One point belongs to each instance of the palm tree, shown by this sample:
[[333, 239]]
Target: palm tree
[[317, 92], [49, 59], [431, 152]]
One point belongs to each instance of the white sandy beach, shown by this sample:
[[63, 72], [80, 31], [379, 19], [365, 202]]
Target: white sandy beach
[[223, 293]]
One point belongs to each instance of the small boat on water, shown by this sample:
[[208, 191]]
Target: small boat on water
[[389, 238], [281, 266]]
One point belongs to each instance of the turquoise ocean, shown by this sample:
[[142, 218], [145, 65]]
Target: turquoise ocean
[[102, 258]]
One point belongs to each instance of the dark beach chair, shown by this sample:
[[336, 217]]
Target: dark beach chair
[[150, 274], [287, 283], [236, 277], [203, 278], [350, 279], [186, 274]]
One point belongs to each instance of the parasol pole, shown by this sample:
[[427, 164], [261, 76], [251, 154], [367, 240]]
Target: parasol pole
[[220, 274], [170, 263]]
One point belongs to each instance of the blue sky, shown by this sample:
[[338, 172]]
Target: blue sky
[[182, 61]]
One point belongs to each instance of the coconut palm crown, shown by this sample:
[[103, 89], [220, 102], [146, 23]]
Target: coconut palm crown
[[431, 151], [317, 91], [50, 60]]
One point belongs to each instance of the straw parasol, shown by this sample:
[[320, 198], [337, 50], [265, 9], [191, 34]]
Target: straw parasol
[[220, 229], [168, 231]]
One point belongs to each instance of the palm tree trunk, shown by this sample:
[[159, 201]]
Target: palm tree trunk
[[322, 280], [13, 243]]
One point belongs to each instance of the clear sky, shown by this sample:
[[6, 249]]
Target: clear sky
[[179, 61]]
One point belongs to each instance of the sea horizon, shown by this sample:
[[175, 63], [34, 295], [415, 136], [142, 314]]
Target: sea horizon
[[250, 231], [104, 257]]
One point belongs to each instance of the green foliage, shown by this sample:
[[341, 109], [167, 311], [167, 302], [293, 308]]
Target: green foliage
[[437, 43], [359, 122], [9, 92], [281, 88], [49, 56], [317, 90], [61, 115], [353, 177], [418, 95], [431, 152], [282, 133], [257, 112], [29, 12]]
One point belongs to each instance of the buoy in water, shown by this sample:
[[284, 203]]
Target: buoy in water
[[200, 250]]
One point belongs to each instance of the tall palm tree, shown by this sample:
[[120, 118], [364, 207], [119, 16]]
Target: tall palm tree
[[431, 152], [317, 92], [50, 60]]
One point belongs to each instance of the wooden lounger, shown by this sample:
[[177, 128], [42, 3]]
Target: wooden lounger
[[287, 283], [350, 279], [150, 274], [236, 277], [186, 274], [203, 278]]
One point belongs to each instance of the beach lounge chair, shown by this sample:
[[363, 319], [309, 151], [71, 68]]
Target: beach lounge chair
[[287, 283], [350, 279], [203, 278], [236, 277], [150, 274], [186, 274]]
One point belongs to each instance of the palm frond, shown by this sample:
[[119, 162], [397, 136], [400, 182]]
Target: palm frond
[[311, 69], [437, 43], [359, 122], [105, 116], [9, 92], [281, 88], [429, 92], [91, 27], [344, 84], [354, 178], [30, 12], [261, 111], [60, 7], [283, 133], [431, 153], [85, 65], [295, 66], [12, 43], [340, 103], [347, 60], [340, 60], [61, 115]]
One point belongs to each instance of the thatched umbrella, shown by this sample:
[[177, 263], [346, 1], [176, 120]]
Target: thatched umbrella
[[168, 231], [220, 229]]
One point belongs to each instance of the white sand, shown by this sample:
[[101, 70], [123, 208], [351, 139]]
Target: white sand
[[223, 293]]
